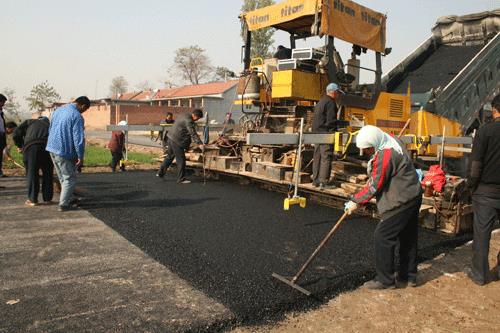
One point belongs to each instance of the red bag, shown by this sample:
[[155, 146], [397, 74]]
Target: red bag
[[436, 176]]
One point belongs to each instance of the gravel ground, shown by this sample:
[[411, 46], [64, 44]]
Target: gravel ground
[[226, 239]]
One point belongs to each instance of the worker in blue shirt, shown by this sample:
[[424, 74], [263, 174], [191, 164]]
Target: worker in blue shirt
[[66, 144]]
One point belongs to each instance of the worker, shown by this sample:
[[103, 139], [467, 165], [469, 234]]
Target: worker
[[3, 132], [180, 137], [324, 121], [283, 53], [31, 139], [169, 120], [66, 145], [394, 183], [228, 124], [484, 182], [117, 147], [10, 127]]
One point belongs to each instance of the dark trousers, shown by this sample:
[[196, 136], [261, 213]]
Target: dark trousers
[[36, 158], [116, 157], [486, 211], [177, 152], [402, 228], [2, 147], [322, 163]]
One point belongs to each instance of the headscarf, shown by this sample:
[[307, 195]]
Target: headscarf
[[372, 136]]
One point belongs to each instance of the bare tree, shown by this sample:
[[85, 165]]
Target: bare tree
[[144, 86], [118, 86], [192, 64], [41, 96], [223, 73], [262, 39], [12, 108]]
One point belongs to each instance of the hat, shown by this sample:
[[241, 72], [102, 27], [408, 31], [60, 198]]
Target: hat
[[122, 123], [332, 87]]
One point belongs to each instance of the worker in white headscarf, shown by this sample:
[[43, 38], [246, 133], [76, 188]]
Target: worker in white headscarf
[[394, 183]]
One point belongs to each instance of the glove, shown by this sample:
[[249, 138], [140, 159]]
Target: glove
[[350, 207]]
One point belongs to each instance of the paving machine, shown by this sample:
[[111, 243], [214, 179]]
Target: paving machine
[[274, 92]]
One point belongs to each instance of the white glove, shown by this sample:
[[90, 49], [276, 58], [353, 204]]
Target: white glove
[[350, 207]]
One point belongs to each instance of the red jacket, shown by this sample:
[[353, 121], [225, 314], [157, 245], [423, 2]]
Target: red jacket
[[117, 142]]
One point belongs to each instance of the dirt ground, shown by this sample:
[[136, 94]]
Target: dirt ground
[[445, 301]]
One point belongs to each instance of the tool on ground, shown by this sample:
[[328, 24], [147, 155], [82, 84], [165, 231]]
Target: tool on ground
[[292, 283], [296, 199]]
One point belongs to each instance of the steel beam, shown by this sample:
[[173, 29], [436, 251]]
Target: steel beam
[[289, 139]]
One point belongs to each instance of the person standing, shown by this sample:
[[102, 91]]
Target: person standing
[[393, 181], [169, 121], [31, 139], [324, 121], [66, 144], [179, 139], [3, 131], [484, 182], [117, 146]]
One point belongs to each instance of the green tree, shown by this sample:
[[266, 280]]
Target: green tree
[[192, 64], [41, 96], [118, 86], [262, 39], [223, 73], [12, 108]]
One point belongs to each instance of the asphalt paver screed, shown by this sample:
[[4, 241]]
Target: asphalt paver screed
[[226, 239]]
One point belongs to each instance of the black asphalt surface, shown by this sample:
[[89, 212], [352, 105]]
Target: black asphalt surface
[[227, 239]]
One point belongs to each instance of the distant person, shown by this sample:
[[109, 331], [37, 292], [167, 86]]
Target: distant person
[[484, 182], [394, 183], [228, 124], [66, 144], [324, 121], [180, 137], [31, 139], [3, 131], [283, 53], [117, 147], [9, 127], [169, 120]]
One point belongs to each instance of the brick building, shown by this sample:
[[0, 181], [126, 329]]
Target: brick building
[[150, 107]]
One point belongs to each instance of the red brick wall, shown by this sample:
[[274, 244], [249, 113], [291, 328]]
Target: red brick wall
[[146, 114], [99, 116]]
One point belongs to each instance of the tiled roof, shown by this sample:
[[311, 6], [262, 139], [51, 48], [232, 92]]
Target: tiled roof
[[214, 88]]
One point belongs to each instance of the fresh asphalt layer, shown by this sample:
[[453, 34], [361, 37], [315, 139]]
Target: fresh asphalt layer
[[227, 239]]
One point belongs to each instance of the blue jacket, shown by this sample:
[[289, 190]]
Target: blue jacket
[[66, 133]]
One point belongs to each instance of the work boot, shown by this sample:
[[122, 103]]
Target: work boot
[[406, 282], [325, 186], [474, 278], [377, 285]]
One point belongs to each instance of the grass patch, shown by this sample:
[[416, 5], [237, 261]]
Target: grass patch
[[98, 156], [94, 156]]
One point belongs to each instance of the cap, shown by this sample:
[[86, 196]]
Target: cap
[[122, 123], [332, 87]]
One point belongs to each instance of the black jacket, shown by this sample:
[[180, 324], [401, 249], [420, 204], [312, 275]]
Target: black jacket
[[184, 131], [325, 115], [3, 137], [484, 172], [30, 132]]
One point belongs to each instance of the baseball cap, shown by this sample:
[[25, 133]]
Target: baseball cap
[[332, 87]]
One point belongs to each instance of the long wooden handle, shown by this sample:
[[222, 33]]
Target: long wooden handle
[[320, 246]]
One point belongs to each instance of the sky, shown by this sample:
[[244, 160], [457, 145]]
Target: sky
[[79, 46]]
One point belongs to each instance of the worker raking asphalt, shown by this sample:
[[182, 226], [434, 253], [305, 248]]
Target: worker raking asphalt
[[226, 239]]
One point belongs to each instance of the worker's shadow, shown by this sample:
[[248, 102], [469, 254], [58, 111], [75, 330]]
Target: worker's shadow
[[449, 264]]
